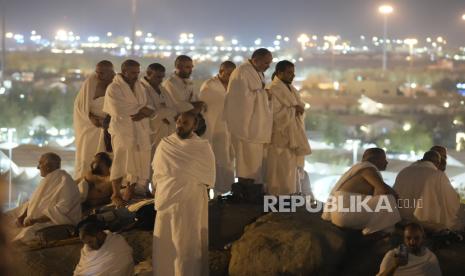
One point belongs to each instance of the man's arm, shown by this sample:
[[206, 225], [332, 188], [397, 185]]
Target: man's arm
[[373, 178], [144, 112], [42, 219]]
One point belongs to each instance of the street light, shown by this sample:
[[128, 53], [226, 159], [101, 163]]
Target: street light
[[411, 42], [385, 10], [303, 39], [133, 29], [463, 17]]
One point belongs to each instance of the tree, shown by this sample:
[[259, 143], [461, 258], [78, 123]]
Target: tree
[[417, 139]]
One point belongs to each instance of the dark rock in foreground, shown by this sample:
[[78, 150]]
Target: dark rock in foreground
[[263, 244], [288, 244]]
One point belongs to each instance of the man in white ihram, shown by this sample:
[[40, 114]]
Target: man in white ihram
[[179, 85], [55, 201], [426, 195], [184, 170], [213, 93], [364, 181], [104, 253], [88, 117], [249, 116], [289, 143], [162, 123], [126, 103]]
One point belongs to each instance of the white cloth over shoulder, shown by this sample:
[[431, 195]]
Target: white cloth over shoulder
[[180, 90], [56, 197], [288, 140], [165, 110], [426, 265], [130, 139], [113, 258], [368, 222], [88, 137], [248, 112], [437, 203], [184, 169], [213, 94]]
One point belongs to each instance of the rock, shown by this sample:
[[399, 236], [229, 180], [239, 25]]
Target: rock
[[451, 259], [62, 260], [219, 262], [226, 222], [288, 244]]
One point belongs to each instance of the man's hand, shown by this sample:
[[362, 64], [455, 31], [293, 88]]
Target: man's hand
[[118, 201], [166, 121], [129, 192], [299, 110], [144, 112], [400, 260], [199, 107]]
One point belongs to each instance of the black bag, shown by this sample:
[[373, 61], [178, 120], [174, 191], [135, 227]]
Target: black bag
[[247, 193]]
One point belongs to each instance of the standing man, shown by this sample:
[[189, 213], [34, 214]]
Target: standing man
[[126, 103], [88, 116], [180, 86], [185, 169], [249, 115], [213, 93], [162, 123], [288, 140]]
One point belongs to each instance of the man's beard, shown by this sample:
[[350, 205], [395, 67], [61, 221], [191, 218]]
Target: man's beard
[[184, 75], [183, 134]]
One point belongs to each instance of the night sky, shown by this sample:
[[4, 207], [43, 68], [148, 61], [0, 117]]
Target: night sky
[[247, 19]]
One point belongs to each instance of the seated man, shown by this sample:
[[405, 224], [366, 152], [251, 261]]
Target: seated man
[[426, 194], [363, 186], [103, 253], [95, 187], [411, 258], [55, 201]]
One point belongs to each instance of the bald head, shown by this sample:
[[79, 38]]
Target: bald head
[[261, 59], [48, 163], [443, 152], [376, 156], [184, 66]]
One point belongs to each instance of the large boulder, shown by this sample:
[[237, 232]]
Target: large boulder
[[63, 259], [297, 243], [226, 221]]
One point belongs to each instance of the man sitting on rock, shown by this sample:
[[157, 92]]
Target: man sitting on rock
[[411, 258], [95, 187], [427, 196], [104, 253], [56, 201], [361, 199]]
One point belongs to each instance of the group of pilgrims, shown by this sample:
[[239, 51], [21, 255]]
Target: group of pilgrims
[[151, 137]]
